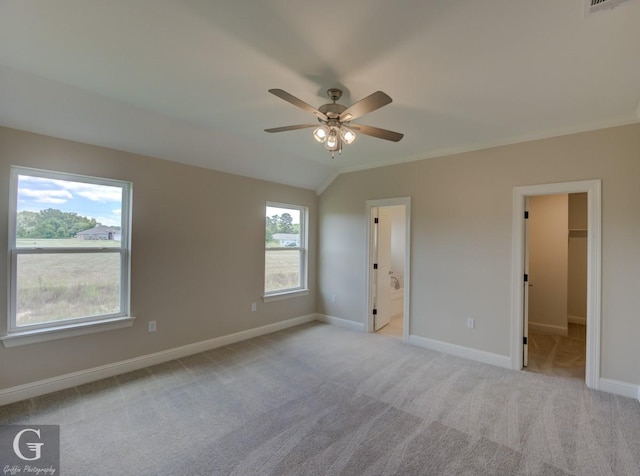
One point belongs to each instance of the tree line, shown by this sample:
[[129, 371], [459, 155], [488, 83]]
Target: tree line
[[51, 223], [281, 224]]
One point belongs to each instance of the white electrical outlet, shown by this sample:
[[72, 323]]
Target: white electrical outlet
[[471, 322], [152, 326], [333, 298], [253, 307]]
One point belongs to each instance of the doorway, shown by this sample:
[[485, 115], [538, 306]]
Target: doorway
[[388, 239], [556, 269], [521, 288]]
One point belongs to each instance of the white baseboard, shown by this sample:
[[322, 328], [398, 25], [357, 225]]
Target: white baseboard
[[461, 351], [623, 389], [340, 322], [548, 329], [578, 320], [41, 387], [616, 387]]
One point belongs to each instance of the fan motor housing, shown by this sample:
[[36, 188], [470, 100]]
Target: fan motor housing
[[332, 110]]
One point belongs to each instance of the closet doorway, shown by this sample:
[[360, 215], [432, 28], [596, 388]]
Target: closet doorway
[[521, 288], [557, 285]]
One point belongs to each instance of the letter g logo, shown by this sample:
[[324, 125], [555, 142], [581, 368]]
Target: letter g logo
[[35, 447]]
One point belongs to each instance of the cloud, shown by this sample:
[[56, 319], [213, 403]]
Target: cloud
[[101, 194], [109, 221], [45, 196], [90, 191]]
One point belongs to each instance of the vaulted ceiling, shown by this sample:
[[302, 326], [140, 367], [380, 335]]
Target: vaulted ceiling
[[187, 80]]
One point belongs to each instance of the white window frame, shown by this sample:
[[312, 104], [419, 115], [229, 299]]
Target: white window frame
[[19, 335], [301, 289]]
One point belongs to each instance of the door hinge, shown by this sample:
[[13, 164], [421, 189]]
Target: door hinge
[[526, 278], [526, 215], [524, 340], [375, 312], [375, 220], [375, 265]]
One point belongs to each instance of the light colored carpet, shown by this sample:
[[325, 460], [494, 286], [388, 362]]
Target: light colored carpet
[[320, 400], [563, 356]]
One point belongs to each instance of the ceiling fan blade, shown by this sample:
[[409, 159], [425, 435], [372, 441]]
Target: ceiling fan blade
[[377, 132], [290, 128], [298, 103], [370, 103]]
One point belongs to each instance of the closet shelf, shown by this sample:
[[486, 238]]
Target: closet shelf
[[577, 233]]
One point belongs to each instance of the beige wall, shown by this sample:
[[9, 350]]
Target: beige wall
[[197, 255], [461, 238], [548, 263], [398, 233], [577, 278], [198, 235], [578, 211]]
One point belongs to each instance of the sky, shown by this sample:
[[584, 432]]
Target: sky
[[102, 202], [295, 215]]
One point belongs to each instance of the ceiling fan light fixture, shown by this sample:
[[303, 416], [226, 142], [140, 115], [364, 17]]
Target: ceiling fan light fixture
[[333, 140], [348, 136], [321, 133], [333, 131]]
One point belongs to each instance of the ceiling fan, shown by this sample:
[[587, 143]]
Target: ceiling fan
[[335, 119]]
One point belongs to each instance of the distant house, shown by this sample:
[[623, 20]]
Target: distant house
[[100, 233], [287, 239]]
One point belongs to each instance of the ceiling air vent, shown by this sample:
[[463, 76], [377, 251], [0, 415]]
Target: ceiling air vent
[[592, 6]]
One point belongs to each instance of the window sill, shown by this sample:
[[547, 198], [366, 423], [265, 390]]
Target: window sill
[[285, 295], [15, 339]]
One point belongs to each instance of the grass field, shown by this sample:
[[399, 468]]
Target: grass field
[[65, 243], [282, 269], [53, 287]]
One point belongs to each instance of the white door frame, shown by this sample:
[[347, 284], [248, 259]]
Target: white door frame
[[525, 287], [389, 202], [594, 269]]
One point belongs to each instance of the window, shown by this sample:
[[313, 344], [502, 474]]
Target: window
[[69, 249], [285, 250]]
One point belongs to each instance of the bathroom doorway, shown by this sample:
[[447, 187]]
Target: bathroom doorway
[[388, 267]]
